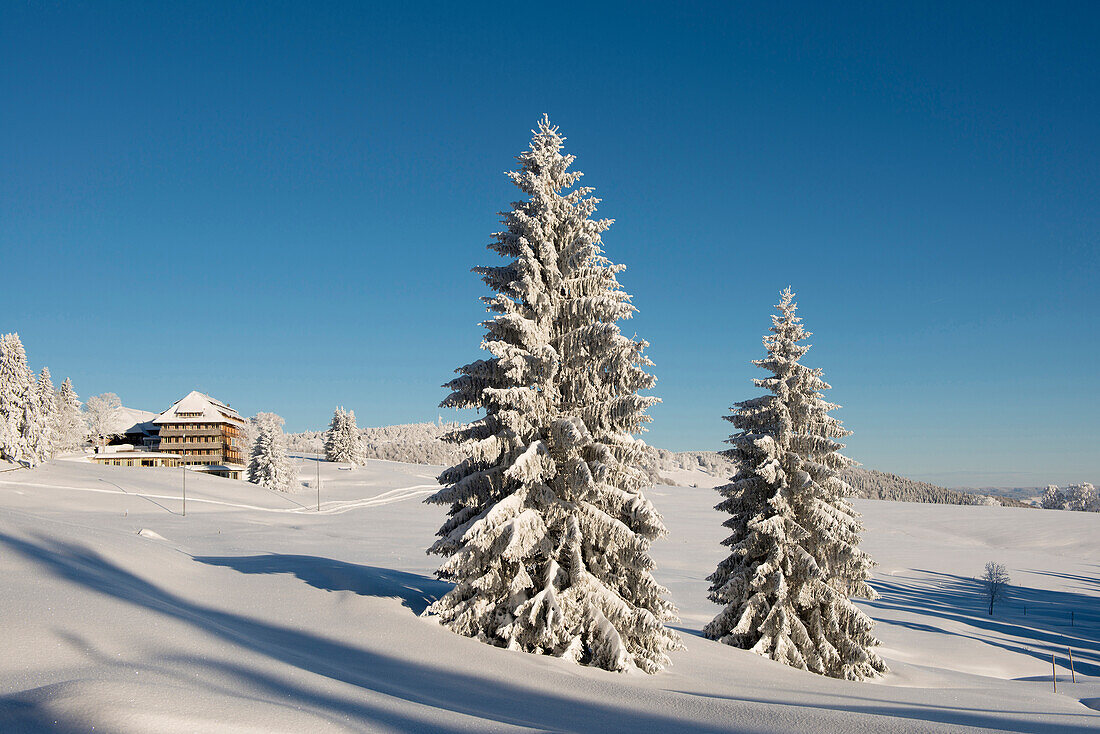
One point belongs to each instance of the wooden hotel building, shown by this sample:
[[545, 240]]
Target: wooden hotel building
[[206, 435]]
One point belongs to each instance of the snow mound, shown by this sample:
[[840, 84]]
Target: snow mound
[[147, 533]]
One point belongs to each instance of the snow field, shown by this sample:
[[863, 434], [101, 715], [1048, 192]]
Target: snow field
[[256, 613]]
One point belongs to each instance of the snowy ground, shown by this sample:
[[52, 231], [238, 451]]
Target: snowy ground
[[256, 613]]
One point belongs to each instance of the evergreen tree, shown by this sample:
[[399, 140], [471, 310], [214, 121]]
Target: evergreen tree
[[549, 533], [342, 440], [18, 402], [46, 397], [70, 422], [270, 466], [794, 558]]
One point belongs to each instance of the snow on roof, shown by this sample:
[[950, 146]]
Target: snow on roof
[[145, 428], [124, 419], [197, 407]]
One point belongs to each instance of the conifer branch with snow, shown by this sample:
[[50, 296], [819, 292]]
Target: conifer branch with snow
[[549, 532], [794, 556]]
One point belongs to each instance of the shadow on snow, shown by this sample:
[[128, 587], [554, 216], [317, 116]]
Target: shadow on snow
[[1045, 629], [415, 591]]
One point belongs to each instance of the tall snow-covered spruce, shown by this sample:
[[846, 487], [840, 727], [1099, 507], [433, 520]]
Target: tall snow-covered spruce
[[795, 559], [549, 532]]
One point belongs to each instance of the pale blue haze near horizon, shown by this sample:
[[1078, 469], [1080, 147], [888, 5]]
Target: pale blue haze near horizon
[[279, 204]]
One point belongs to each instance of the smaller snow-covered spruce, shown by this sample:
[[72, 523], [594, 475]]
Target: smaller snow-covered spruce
[[270, 466], [794, 556], [342, 440]]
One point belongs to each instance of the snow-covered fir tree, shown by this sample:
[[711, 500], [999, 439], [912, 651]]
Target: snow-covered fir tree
[[70, 424], [795, 559], [270, 466], [549, 532], [47, 415], [19, 412], [342, 440]]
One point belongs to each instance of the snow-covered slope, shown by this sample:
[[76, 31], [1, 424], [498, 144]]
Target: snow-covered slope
[[256, 613]]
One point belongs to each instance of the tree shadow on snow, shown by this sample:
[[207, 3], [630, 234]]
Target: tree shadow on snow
[[1036, 621], [23, 713], [474, 702], [415, 591], [467, 701]]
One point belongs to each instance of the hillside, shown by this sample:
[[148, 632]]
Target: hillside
[[254, 612], [878, 485]]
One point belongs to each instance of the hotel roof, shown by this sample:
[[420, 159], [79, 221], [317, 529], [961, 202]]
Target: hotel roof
[[197, 407]]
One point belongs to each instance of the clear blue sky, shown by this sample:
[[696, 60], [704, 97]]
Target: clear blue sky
[[280, 203]]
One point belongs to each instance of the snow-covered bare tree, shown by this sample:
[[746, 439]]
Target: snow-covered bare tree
[[99, 411], [270, 466], [342, 440], [794, 556], [70, 424], [549, 532], [995, 582], [18, 402], [1053, 499]]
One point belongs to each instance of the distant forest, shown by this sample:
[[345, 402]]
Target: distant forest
[[423, 443]]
